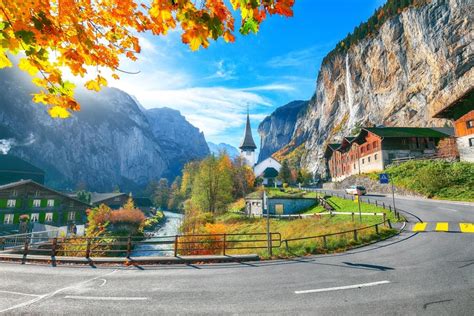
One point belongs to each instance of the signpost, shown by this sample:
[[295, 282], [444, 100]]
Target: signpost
[[385, 179]]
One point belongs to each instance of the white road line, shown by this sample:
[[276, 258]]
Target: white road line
[[105, 298], [18, 293], [51, 294], [104, 281], [347, 287]]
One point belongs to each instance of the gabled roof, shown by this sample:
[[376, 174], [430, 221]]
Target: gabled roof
[[22, 182], [247, 141], [330, 148], [405, 132], [99, 197], [458, 108], [12, 163]]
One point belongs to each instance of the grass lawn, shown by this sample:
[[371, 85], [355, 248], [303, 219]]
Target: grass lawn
[[290, 193], [310, 226], [343, 205]]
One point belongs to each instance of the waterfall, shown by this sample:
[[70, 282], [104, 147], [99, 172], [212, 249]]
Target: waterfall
[[349, 93]]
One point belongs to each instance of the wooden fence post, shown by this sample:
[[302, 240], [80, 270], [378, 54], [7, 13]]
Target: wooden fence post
[[355, 234], [286, 245], [129, 246], [377, 229], [53, 247], [376, 203], [352, 216], [389, 223], [88, 248], [25, 249], [384, 216], [176, 245], [224, 245], [325, 242]]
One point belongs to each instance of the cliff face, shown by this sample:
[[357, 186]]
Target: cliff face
[[180, 141], [216, 149], [417, 62], [277, 129], [109, 142]]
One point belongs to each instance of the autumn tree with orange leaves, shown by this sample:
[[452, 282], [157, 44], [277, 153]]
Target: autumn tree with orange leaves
[[50, 35]]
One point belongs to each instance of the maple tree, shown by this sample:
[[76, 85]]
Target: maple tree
[[80, 34]]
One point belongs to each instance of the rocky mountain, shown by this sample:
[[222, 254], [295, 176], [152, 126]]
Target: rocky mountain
[[180, 141], [218, 148], [277, 129], [110, 142], [400, 75]]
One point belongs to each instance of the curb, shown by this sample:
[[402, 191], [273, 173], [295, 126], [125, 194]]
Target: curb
[[128, 261]]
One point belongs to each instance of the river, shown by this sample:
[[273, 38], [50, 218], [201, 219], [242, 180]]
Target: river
[[170, 227]]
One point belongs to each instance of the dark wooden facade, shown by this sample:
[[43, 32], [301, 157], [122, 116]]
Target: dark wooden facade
[[42, 205]]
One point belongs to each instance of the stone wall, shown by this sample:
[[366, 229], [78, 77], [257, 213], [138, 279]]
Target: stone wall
[[290, 206]]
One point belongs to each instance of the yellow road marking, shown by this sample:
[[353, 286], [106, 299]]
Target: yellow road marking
[[419, 227], [442, 227], [466, 227]]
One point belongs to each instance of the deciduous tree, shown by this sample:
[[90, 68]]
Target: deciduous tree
[[93, 34]]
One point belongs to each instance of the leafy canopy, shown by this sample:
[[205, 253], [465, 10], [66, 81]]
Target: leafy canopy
[[83, 34]]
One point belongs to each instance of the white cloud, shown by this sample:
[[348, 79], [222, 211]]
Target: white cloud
[[299, 58]]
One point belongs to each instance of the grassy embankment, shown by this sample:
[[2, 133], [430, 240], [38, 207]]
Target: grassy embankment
[[435, 179], [312, 226]]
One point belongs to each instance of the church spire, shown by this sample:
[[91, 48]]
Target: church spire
[[247, 143]]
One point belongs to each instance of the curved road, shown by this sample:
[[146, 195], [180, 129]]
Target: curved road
[[413, 273]]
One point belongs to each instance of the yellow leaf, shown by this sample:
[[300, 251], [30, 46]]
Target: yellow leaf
[[92, 85], [4, 61], [40, 98], [58, 112], [26, 65], [195, 43]]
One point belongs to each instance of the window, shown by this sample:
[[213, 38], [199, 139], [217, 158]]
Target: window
[[8, 219], [71, 216], [48, 217], [362, 149], [34, 217], [369, 147], [354, 166], [11, 203], [363, 160], [375, 157], [117, 199], [471, 142], [279, 209], [368, 159], [14, 193], [470, 124], [37, 193], [50, 203], [374, 144], [36, 203]]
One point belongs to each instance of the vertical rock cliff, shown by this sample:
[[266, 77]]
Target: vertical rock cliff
[[417, 61]]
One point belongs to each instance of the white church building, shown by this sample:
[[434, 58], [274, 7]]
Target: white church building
[[268, 169]]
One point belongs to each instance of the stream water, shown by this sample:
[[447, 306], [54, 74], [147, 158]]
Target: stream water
[[169, 227]]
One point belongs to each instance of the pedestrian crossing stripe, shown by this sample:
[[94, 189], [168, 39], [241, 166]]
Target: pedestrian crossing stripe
[[466, 227], [419, 227], [444, 227]]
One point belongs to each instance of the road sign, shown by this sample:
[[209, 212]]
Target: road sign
[[384, 178]]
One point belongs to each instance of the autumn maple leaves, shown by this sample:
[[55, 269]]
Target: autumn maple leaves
[[80, 35]]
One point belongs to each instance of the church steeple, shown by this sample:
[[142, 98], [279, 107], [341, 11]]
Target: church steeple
[[247, 146], [247, 142]]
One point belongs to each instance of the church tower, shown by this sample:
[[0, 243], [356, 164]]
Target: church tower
[[247, 147]]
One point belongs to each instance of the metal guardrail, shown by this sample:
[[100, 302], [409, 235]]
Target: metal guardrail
[[19, 240]]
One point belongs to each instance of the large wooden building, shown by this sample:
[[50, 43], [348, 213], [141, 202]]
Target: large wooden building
[[461, 112], [376, 147], [41, 205]]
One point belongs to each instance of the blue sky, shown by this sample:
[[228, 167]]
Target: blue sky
[[212, 87]]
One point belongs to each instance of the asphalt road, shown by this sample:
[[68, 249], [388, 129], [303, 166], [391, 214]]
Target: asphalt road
[[414, 273]]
